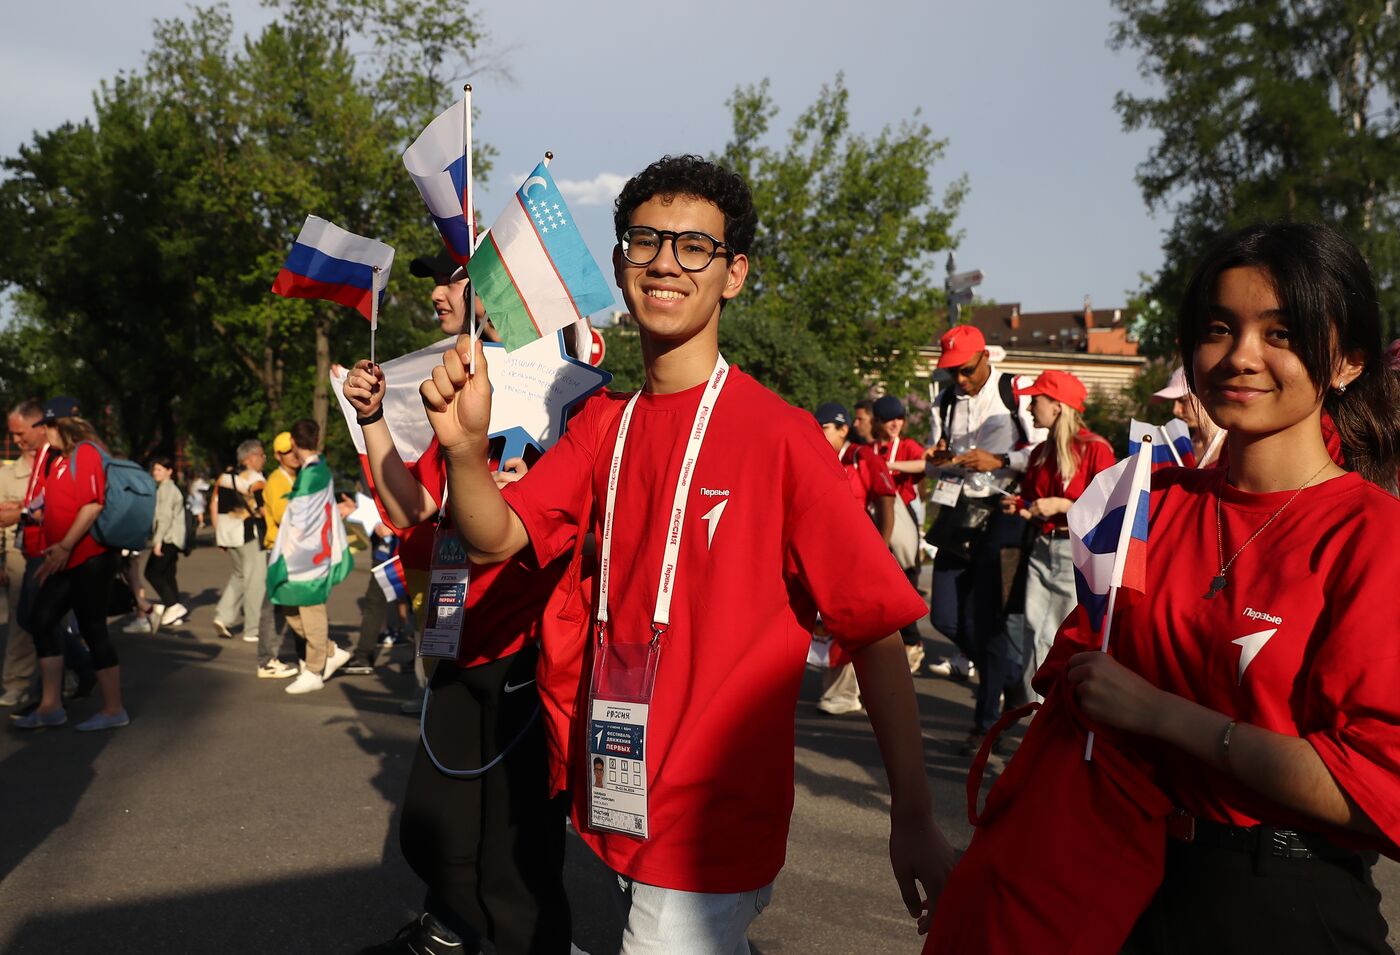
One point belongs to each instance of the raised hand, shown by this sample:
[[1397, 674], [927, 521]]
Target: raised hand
[[364, 388], [459, 403]]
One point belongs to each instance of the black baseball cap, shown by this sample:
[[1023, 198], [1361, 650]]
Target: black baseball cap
[[431, 266], [833, 413], [888, 407], [60, 407]]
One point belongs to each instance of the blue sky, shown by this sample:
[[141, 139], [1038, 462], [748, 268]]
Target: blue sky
[[1022, 90]]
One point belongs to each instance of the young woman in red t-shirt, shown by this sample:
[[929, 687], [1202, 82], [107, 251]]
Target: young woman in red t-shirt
[[1058, 472], [76, 572], [1260, 675]]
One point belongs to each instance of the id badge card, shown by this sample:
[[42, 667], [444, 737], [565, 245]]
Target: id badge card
[[619, 705], [948, 489], [448, 577]]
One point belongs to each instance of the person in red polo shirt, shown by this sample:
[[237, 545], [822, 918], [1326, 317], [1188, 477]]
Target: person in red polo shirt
[[905, 459], [725, 525], [1059, 470], [1260, 674]]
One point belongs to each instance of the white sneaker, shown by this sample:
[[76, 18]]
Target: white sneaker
[[276, 670], [222, 629], [15, 697], [306, 682], [173, 615], [335, 661], [915, 655], [249, 638], [957, 666], [141, 624], [840, 707]]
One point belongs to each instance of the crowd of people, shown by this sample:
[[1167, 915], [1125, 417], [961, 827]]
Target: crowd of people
[[617, 635]]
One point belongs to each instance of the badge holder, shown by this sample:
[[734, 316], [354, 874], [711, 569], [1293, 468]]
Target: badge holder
[[619, 702], [948, 489], [448, 577]]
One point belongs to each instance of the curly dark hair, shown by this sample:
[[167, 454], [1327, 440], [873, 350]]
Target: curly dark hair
[[693, 176]]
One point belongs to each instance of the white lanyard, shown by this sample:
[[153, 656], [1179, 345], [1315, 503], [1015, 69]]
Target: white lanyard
[[40, 460], [841, 455], [894, 449], [671, 556]]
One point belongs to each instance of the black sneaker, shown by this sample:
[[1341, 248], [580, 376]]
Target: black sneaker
[[358, 665], [425, 935]]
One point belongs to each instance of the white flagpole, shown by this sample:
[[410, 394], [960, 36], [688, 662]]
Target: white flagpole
[[1213, 449], [469, 214], [1170, 447], [373, 311], [1125, 534]]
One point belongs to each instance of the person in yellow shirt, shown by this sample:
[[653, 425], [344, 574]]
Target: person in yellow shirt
[[275, 493]]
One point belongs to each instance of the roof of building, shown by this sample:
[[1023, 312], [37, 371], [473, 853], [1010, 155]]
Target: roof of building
[[1067, 331]]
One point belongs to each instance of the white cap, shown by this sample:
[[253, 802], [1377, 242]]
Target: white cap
[[1176, 387]]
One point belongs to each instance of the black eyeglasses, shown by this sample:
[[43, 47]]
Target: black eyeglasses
[[694, 250]]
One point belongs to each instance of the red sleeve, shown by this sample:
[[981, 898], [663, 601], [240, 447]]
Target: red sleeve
[[89, 477], [1098, 456], [878, 480], [1353, 696], [552, 500], [829, 534], [909, 450]]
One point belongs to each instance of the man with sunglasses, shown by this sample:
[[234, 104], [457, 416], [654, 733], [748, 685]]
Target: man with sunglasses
[[725, 525], [982, 437]]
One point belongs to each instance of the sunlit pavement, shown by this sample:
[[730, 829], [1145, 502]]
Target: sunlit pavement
[[230, 817]]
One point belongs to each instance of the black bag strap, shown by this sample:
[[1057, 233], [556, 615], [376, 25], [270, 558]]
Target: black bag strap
[[1006, 389]]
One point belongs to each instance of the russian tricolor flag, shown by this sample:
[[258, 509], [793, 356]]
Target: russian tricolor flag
[[533, 271], [328, 262], [1108, 534], [1171, 443], [391, 580], [437, 164]]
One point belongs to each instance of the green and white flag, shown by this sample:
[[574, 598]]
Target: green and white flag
[[310, 555]]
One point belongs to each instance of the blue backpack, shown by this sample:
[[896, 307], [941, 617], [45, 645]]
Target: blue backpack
[[129, 510]]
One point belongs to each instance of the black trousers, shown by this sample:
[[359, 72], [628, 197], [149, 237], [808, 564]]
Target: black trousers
[[160, 574], [83, 590], [491, 847], [1217, 901]]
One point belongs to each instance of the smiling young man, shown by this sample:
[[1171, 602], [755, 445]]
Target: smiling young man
[[725, 525]]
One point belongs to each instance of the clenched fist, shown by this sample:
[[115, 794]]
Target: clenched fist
[[364, 388], [459, 403]]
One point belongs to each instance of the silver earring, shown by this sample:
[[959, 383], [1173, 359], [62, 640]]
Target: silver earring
[[1340, 389]]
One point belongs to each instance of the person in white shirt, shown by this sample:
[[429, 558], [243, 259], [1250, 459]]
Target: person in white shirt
[[982, 435]]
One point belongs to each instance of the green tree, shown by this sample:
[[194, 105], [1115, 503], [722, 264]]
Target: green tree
[[841, 289], [145, 242], [1267, 109]]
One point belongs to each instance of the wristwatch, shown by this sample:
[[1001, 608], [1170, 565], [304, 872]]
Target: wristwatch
[[1006, 460]]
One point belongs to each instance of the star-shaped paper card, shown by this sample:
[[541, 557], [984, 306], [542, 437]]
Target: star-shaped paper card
[[533, 389]]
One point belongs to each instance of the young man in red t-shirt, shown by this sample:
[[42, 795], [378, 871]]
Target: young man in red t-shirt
[[731, 526]]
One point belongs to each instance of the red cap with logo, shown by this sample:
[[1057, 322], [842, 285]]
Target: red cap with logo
[[960, 345], [1060, 385]]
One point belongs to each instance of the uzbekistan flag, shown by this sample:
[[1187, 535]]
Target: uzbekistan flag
[[533, 271], [437, 164], [1108, 535], [310, 555], [328, 262], [389, 576], [1171, 443]]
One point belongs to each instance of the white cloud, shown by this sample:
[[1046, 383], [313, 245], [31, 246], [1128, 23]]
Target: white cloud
[[601, 190]]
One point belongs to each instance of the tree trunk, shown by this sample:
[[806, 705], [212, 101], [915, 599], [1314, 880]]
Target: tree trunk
[[320, 389]]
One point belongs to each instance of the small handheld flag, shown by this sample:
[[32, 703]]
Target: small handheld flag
[[329, 263], [437, 163], [1171, 443], [390, 577], [533, 271]]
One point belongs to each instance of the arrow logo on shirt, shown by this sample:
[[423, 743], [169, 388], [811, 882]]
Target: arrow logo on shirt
[[1250, 644], [712, 518]]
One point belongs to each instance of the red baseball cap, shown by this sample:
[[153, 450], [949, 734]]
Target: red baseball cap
[[960, 345], [1060, 385]]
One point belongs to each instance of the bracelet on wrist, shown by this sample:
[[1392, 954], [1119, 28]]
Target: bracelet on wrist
[[373, 416]]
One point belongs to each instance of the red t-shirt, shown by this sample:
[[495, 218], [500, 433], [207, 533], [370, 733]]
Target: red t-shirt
[[907, 449], [870, 477], [770, 536], [505, 601], [73, 483], [1042, 478], [1313, 599]]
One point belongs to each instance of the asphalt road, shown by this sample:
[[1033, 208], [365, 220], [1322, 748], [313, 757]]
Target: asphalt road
[[233, 818]]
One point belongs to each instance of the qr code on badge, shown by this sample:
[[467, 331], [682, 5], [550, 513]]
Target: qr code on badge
[[637, 823]]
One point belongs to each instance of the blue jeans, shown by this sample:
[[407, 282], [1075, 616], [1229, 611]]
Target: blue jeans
[[671, 922], [967, 608]]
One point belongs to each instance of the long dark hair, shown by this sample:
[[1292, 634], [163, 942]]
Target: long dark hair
[[1327, 291]]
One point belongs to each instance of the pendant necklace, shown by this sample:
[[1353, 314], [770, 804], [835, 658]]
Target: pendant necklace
[[1217, 583]]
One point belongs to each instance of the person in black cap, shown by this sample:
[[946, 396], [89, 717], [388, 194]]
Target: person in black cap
[[76, 571], [905, 459], [450, 294]]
